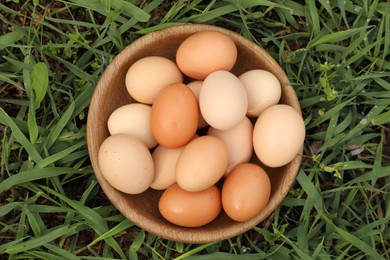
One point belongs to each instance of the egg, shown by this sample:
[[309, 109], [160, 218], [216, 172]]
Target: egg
[[165, 160], [223, 101], [147, 76], [278, 135], [238, 141], [205, 52], [201, 164], [132, 119], [245, 192], [126, 163], [174, 116], [195, 87], [190, 209], [263, 90]]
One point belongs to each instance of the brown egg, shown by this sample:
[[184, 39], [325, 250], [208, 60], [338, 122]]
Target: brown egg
[[190, 209], [205, 52], [126, 163], [201, 164], [174, 116], [245, 192]]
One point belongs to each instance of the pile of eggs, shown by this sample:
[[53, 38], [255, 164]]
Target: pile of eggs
[[193, 130]]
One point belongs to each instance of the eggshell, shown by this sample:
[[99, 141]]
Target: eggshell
[[164, 160], [222, 100], [126, 163], [201, 164], [132, 119], [190, 209], [174, 116], [205, 52], [263, 90], [238, 141], [195, 86], [278, 135], [149, 75], [245, 192]]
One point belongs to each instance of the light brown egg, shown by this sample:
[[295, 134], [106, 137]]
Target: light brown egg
[[147, 76], [126, 163], [205, 52], [174, 116], [245, 192], [278, 135], [190, 209], [201, 164]]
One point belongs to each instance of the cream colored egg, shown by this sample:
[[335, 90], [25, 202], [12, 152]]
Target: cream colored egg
[[195, 86], [147, 76], [263, 90], [132, 119], [126, 163], [222, 100], [165, 160], [278, 135], [238, 141]]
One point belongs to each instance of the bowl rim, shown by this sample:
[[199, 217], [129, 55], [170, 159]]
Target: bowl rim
[[151, 226]]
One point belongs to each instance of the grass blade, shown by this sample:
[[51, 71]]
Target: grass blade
[[60, 155], [130, 10], [353, 240], [60, 125], [336, 36], [19, 136], [34, 174], [39, 241]]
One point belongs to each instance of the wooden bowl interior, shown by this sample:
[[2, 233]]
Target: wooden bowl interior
[[111, 93]]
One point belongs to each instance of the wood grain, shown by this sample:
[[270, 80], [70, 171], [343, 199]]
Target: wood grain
[[110, 93]]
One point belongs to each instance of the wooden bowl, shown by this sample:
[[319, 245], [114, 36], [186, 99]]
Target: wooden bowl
[[111, 93]]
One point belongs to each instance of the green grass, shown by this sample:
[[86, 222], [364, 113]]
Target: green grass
[[336, 54]]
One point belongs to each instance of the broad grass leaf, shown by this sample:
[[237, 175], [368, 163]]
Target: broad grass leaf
[[40, 82], [10, 38]]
